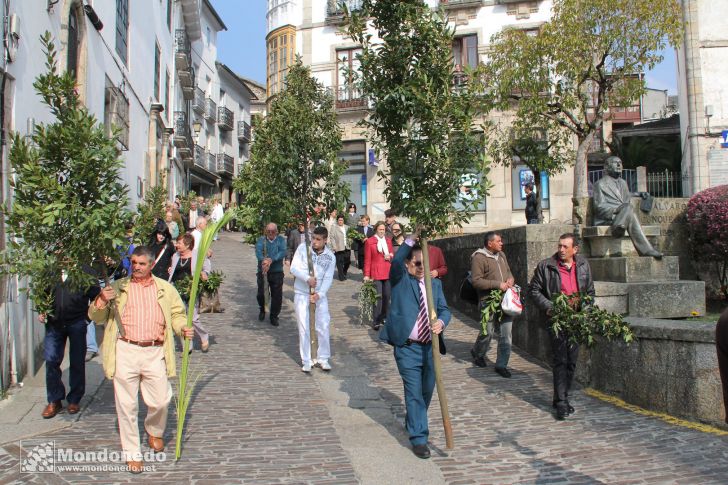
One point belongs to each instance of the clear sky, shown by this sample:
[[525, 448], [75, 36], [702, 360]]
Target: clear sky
[[242, 46]]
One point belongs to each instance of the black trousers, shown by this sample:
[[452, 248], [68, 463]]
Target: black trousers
[[564, 365], [343, 260], [275, 282], [384, 290], [721, 344]]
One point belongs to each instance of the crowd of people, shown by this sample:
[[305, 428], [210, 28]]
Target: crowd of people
[[143, 311]]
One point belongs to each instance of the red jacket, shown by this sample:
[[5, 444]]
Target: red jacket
[[375, 267], [437, 260]]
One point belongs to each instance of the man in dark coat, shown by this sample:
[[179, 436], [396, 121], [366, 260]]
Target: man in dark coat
[[568, 273]]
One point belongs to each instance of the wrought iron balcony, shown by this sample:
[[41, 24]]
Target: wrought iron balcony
[[225, 164], [187, 83], [182, 138], [211, 162], [210, 113], [335, 9], [182, 50], [225, 119], [244, 131], [198, 101], [349, 97], [200, 158]]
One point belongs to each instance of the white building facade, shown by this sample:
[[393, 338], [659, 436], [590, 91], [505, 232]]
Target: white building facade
[[311, 29], [703, 94]]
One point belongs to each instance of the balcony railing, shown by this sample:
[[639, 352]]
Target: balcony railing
[[225, 164], [244, 131], [349, 97], [187, 83], [182, 138], [211, 162], [462, 3], [335, 10], [182, 50], [210, 110], [225, 119], [200, 158], [198, 101]]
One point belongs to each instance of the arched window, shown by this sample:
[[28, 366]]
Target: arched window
[[73, 39]]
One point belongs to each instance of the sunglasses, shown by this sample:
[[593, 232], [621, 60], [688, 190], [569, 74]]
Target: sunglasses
[[396, 230], [417, 264]]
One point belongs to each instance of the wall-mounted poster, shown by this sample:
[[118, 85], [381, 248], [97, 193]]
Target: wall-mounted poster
[[520, 176]]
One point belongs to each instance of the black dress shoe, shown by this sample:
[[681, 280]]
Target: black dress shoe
[[421, 451], [569, 407], [261, 316], [561, 414], [503, 372], [274, 321]]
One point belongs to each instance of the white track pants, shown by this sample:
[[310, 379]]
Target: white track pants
[[322, 328]]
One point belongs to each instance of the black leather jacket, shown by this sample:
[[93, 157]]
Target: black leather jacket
[[546, 281]]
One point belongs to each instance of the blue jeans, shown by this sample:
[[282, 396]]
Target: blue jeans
[[414, 363], [91, 345], [504, 331], [55, 348]]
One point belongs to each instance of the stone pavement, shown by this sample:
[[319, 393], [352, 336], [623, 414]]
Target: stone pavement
[[256, 418]]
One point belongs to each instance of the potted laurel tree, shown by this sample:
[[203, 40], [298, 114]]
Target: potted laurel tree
[[585, 323], [185, 385]]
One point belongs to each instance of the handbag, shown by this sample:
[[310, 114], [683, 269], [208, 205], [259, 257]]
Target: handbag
[[511, 303], [467, 290]]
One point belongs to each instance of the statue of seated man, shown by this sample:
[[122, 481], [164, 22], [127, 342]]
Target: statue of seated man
[[612, 208]]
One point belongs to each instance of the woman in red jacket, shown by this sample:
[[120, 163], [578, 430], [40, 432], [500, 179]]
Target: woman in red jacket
[[378, 254]]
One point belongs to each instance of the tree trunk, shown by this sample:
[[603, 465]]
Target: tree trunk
[[311, 306], [114, 308], [442, 397], [580, 199]]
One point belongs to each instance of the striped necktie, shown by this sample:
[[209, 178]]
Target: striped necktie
[[424, 334]]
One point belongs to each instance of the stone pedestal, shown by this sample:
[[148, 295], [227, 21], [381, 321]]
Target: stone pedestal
[[639, 286]]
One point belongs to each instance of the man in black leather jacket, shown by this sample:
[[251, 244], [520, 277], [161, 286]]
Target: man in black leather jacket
[[564, 272]]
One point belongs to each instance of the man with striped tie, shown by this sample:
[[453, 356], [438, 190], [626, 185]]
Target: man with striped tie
[[409, 332]]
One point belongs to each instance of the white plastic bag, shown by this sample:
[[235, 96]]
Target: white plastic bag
[[511, 303]]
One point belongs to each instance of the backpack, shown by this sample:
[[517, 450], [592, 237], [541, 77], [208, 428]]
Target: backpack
[[468, 293]]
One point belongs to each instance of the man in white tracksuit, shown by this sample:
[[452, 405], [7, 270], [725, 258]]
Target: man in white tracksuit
[[324, 263]]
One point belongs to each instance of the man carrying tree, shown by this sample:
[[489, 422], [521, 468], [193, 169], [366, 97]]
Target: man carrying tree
[[490, 271], [564, 272], [323, 261], [408, 330], [150, 311], [68, 322], [270, 251]]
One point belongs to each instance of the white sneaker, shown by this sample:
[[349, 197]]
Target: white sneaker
[[325, 365], [306, 368]]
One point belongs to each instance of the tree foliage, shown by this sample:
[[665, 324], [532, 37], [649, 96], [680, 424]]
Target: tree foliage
[[419, 121], [68, 209], [294, 163], [707, 216], [148, 213], [587, 58]]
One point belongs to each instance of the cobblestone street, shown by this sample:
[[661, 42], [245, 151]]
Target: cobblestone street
[[256, 418]]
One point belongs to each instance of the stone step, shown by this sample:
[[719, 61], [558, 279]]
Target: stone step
[[656, 299], [635, 269], [602, 244]]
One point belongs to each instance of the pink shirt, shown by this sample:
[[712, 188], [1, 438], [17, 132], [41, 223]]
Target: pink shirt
[[143, 319], [568, 278], [414, 333]]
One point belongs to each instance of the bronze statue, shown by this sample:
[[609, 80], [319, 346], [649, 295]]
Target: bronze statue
[[612, 208]]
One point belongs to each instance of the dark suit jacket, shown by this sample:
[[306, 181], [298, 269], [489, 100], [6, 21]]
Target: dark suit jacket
[[405, 303]]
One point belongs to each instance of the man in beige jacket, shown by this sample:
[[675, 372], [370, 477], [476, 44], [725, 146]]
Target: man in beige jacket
[[138, 350], [490, 271]]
